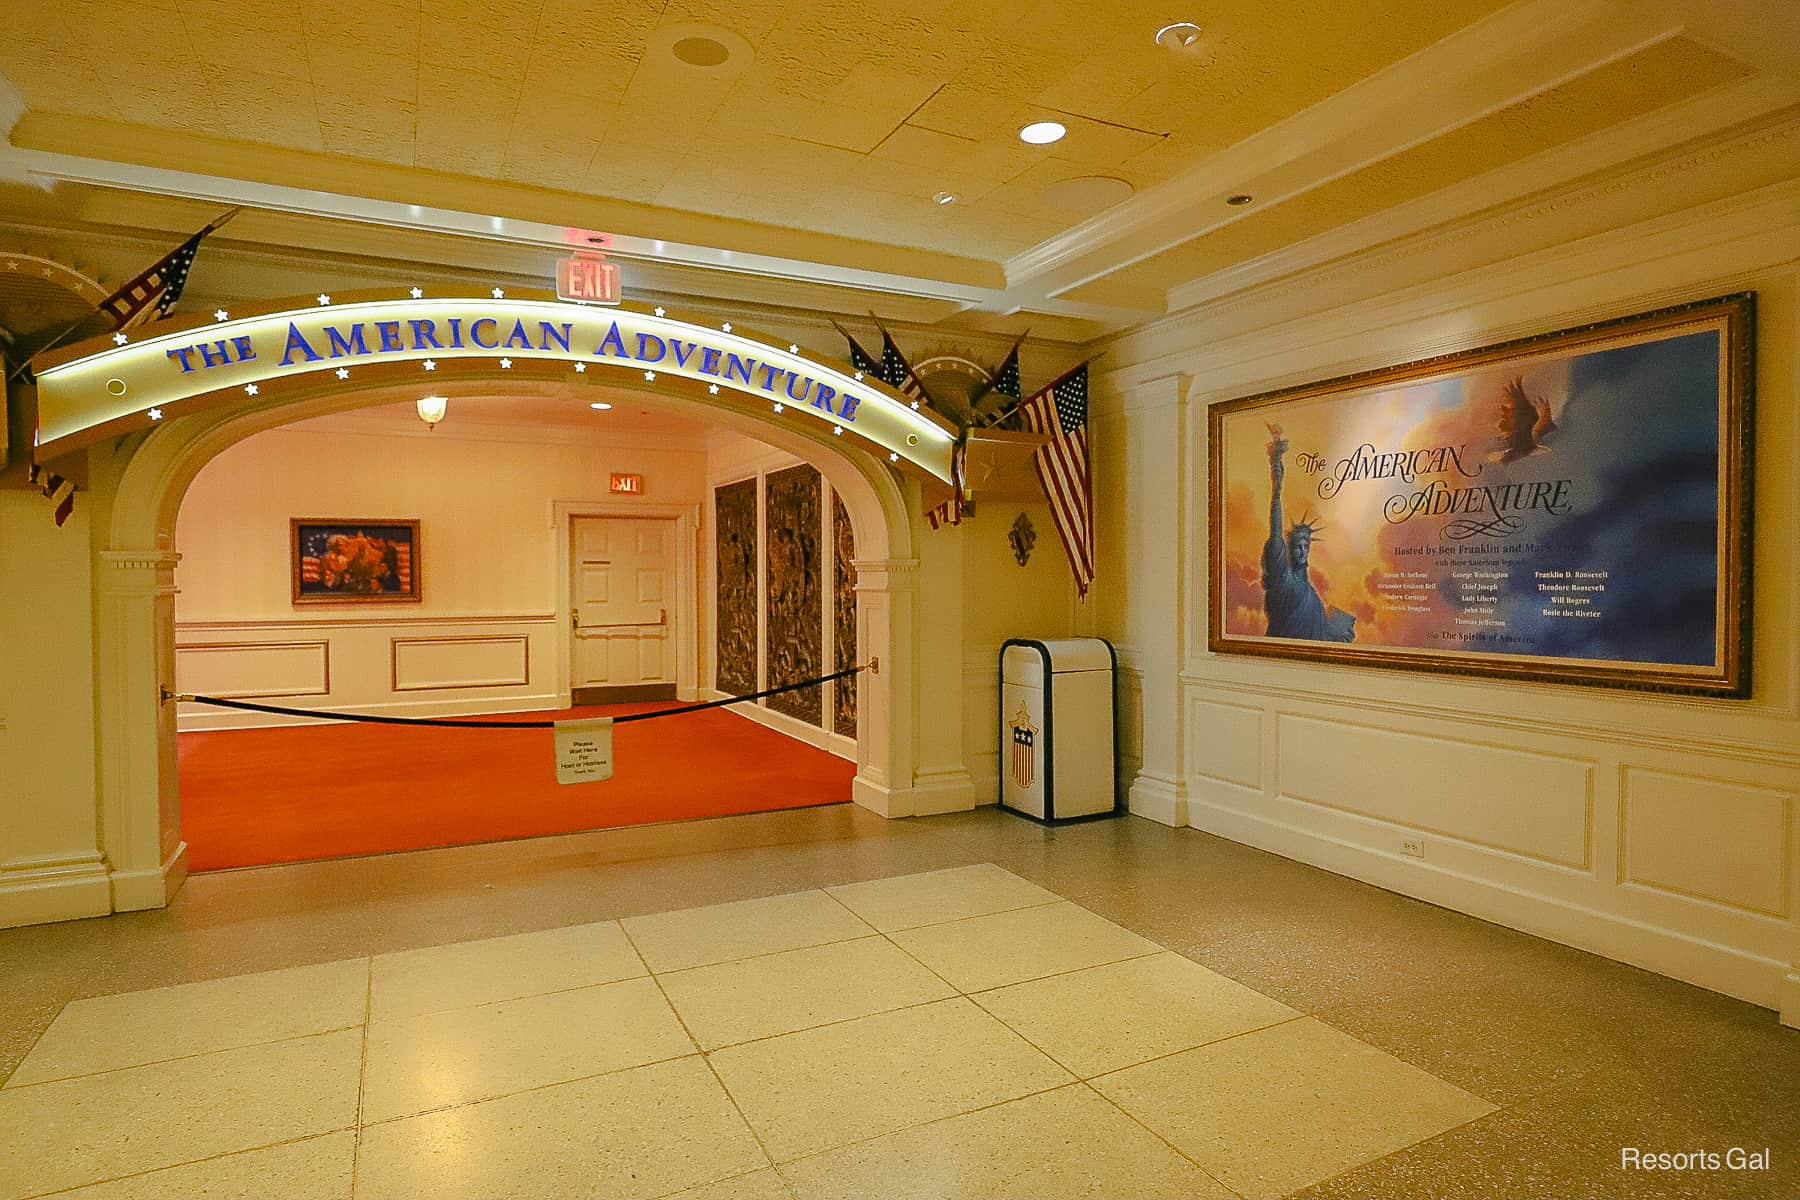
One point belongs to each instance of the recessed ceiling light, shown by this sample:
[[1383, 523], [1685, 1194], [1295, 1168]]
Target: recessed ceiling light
[[943, 198], [1239, 200], [1178, 36], [1042, 133], [701, 51], [601, 405]]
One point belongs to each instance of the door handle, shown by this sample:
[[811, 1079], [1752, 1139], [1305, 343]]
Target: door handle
[[661, 619]]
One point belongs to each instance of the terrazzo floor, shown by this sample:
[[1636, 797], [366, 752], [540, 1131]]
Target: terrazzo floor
[[835, 1006]]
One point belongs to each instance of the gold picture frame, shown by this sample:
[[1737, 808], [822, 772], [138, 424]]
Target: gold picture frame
[[355, 561], [1572, 508]]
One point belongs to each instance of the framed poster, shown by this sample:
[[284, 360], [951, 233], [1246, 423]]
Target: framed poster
[[1571, 508], [354, 562]]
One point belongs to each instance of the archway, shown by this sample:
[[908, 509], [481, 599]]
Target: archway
[[137, 491]]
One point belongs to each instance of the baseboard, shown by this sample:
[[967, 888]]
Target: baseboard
[[227, 718], [1790, 998], [133, 891], [794, 727], [1159, 799], [1668, 952], [37, 891]]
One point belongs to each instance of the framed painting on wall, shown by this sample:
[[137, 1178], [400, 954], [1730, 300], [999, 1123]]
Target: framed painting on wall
[[354, 562], [1570, 508]]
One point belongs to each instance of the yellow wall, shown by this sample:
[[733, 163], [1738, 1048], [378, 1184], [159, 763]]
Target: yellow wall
[[1659, 830], [49, 866], [489, 558]]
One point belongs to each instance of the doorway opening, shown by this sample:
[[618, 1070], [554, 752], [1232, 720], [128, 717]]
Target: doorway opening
[[538, 596], [621, 574]]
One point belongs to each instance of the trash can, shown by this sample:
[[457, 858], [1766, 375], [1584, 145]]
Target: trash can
[[1057, 740]]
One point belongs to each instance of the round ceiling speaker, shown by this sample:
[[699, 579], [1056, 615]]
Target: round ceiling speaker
[[1087, 193]]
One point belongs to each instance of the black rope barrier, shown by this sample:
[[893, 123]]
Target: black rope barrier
[[451, 723]]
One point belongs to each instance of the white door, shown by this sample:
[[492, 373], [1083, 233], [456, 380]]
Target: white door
[[622, 571]]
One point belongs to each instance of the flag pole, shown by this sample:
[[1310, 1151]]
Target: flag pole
[[56, 341], [1020, 403], [975, 404]]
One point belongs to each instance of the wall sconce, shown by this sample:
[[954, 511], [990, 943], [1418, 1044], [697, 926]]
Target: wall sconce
[[431, 409]]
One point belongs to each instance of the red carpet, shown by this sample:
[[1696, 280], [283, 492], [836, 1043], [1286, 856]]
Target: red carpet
[[253, 796]]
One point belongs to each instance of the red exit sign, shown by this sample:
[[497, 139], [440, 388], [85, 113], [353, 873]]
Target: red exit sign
[[628, 485], [587, 279]]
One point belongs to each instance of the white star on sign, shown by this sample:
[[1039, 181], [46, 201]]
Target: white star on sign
[[649, 374], [778, 407], [838, 430], [727, 327], [155, 414], [417, 293], [324, 299], [499, 293], [793, 347], [506, 364], [714, 389], [249, 389], [430, 364], [859, 377], [581, 368], [120, 339], [220, 314], [894, 457], [915, 405], [660, 310], [343, 372]]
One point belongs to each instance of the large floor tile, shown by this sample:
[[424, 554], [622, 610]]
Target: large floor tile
[[797, 989], [106, 1033], [438, 978], [627, 1136], [477, 1053], [314, 1169], [696, 937], [98, 1127], [1105, 1018], [1011, 947], [1068, 1144], [826, 1087], [1284, 1107], [926, 899]]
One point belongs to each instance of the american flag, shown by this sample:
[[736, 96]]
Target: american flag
[[891, 368], [1061, 410], [60, 491], [160, 285], [1024, 749]]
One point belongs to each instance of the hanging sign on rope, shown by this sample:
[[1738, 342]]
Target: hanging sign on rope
[[584, 750]]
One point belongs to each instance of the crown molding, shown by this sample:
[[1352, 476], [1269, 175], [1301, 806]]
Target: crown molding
[[1409, 272], [1585, 158], [1517, 52]]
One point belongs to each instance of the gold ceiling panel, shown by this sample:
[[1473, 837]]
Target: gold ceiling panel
[[1653, 78], [572, 96]]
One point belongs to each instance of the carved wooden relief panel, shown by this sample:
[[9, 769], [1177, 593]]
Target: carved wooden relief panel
[[843, 594], [795, 589], [734, 506]]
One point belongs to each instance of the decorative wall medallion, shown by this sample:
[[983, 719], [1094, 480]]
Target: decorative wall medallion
[[1023, 537]]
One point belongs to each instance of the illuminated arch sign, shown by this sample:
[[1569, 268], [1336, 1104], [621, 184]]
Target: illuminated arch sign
[[108, 387]]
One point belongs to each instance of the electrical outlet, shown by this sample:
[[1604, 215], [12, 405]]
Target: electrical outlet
[[1413, 847]]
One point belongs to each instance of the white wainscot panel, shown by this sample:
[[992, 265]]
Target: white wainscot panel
[[238, 670], [1531, 804], [1709, 839], [1226, 741], [426, 663]]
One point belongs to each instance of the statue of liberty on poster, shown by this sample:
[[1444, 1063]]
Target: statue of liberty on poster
[[1292, 603]]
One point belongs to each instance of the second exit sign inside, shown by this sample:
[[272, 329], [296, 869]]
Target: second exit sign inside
[[628, 485]]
